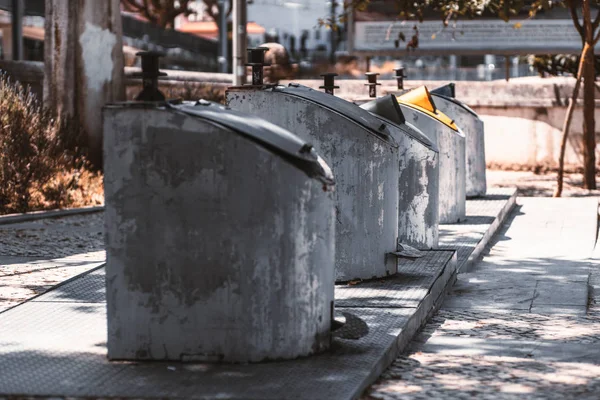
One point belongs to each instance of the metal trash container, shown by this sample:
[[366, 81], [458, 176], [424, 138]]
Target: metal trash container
[[472, 126], [419, 109], [418, 183], [220, 236], [364, 158]]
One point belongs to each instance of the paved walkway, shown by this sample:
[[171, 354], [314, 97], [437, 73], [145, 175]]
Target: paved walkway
[[518, 325]]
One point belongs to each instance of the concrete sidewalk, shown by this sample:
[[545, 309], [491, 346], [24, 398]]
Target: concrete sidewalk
[[518, 325]]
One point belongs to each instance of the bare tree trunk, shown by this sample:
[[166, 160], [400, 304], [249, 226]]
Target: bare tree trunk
[[567, 126], [589, 123]]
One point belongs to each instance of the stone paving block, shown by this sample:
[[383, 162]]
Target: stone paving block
[[547, 309], [469, 347], [53, 237], [510, 298], [489, 281], [566, 352], [573, 294], [534, 269]]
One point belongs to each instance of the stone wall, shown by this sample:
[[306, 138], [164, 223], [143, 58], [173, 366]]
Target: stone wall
[[523, 117]]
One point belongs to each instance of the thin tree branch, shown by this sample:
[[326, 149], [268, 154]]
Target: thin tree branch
[[596, 21], [575, 18], [596, 37], [567, 125]]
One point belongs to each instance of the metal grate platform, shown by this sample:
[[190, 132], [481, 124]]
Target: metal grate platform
[[55, 344], [484, 216], [405, 289], [68, 357], [89, 288]]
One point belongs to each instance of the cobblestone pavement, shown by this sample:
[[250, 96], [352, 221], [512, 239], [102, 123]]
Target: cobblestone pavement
[[36, 255], [525, 323]]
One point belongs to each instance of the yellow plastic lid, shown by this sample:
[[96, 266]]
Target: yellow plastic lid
[[421, 100]]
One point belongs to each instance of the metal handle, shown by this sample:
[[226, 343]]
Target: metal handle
[[149, 75], [329, 82], [372, 79]]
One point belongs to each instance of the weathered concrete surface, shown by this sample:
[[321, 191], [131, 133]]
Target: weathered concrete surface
[[418, 186], [218, 249], [452, 163], [366, 171], [83, 57], [473, 128]]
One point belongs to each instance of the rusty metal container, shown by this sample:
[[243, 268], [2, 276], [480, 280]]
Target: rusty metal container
[[220, 236], [420, 110], [473, 128], [364, 158], [418, 183]]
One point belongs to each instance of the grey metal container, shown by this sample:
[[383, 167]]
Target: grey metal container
[[418, 183], [452, 165], [364, 158], [472, 126], [220, 236]]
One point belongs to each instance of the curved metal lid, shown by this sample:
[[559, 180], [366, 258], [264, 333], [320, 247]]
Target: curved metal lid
[[387, 109], [458, 103], [420, 99], [349, 110], [445, 90], [273, 137]]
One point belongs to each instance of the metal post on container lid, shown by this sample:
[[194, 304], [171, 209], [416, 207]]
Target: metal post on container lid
[[150, 73], [400, 77], [256, 60], [329, 82], [372, 78]]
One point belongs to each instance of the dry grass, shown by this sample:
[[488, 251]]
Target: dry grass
[[42, 159]]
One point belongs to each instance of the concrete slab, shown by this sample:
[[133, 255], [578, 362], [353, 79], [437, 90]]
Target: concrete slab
[[570, 294], [547, 309], [508, 299], [535, 269]]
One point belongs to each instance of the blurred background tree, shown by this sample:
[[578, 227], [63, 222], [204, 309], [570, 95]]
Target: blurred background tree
[[584, 67]]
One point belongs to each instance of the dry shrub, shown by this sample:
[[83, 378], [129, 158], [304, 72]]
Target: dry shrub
[[190, 91], [42, 162]]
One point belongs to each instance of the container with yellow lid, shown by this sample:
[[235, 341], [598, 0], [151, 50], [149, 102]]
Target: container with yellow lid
[[420, 110], [421, 99]]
